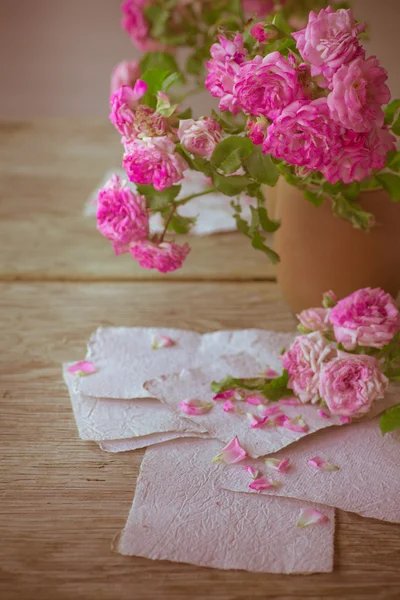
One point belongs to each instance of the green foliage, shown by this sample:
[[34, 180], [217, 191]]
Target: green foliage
[[390, 419], [272, 389], [159, 60], [181, 225], [391, 183], [393, 160], [353, 212], [158, 201], [391, 111], [277, 388], [233, 185], [229, 154], [230, 124], [316, 198], [261, 168]]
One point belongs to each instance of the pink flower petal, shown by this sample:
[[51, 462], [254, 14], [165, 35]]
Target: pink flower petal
[[311, 516], [267, 411], [255, 421], [261, 483], [345, 420], [277, 464], [162, 341], [252, 471], [323, 414], [290, 401], [255, 400], [82, 368], [319, 464], [140, 88], [271, 373], [232, 453], [195, 407], [229, 406], [224, 395], [297, 424], [279, 420]]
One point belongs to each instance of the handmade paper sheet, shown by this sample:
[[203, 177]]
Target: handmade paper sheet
[[213, 212], [178, 515], [367, 482], [124, 357], [144, 441]]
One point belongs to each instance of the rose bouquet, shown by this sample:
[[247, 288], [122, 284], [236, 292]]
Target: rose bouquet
[[308, 106], [342, 361]]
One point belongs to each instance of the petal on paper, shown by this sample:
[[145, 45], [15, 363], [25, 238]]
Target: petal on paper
[[319, 464], [267, 411], [277, 464], [279, 420], [255, 400], [256, 421], [252, 471], [311, 516], [297, 424], [81, 368], [271, 373], [232, 453], [229, 406], [195, 407], [290, 401], [162, 341], [227, 395], [323, 414], [345, 420], [261, 483]]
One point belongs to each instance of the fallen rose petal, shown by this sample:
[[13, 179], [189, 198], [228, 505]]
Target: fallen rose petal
[[195, 407], [290, 401], [227, 395], [82, 368], [345, 420], [323, 414], [311, 516], [278, 465], [162, 341], [279, 420], [261, 483], [267, 411], [255, 421], [319, 464], [229, 406], [255, 400], [252, 471], [231, 453], [297, 424], [271, 373]]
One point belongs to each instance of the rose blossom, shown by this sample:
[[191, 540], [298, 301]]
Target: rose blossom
[[368, 317], [200, 137], [165, 257], [358, 93], [315, 319], [121, 215], [125, 73], [304, 135], [153, 161], [227, 56], [350, 383], [135, 24], [123, 104], [359, 155], [257, 130], [259, 33], [329, 41], [303, 363], [264, 86]]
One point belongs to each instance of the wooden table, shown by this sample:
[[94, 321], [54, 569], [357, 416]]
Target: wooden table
[[62, 499]]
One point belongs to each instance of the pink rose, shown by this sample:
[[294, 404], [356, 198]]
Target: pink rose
[[123, 104], [368, 317], [315, 319], [227, 56], [164, 257], [329, 41], [303, 362], [259, 33], [359, 155], [154, 161], [350, 383], [259, 8], [125, 73], [358, 93], [304, 135], [200, 137], [135, 24], [122, 216], [257, 130], [265, 86]]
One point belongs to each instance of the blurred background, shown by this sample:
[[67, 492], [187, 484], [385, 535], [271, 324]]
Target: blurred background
[[57, 55]]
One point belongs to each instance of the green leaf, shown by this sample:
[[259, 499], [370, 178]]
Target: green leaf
[[181, 225], [352, 191], [258, 242], [390, 419], [267, 224], [170, 80], [159, 60], [186, 114], [393, 160], [277, 388], [154, 79], [229, 153], [391, 183], [353, 212], [316, 198], [261, 168], [230, 124], [156, 200], [232, 185], [396, 127], [390, 111]]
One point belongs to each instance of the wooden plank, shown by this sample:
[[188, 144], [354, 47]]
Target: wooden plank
[[47, 170], [63, 500]]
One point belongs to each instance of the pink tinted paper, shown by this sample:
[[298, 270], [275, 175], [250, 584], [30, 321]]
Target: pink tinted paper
[[196, 383], [125, 360], [146, 440], [101, 419], [178, 515], [367, 483]]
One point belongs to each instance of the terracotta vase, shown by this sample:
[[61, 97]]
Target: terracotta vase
[[321, 252]]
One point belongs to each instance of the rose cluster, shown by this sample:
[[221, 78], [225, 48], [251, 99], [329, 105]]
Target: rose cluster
[[338, 359], [320, 107]]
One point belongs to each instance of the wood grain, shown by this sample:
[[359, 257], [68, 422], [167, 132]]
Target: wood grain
[[63, 500], [47, 170]]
